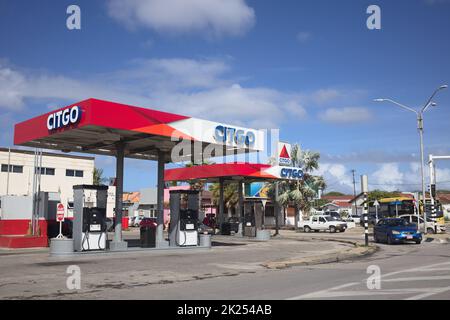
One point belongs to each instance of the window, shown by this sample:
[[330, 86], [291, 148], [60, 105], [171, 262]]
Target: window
[[322, 220], [12, 168], [46, 171], [74, 173]]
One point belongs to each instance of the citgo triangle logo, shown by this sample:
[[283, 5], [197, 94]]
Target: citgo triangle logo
[[284, 158], [284, 153]]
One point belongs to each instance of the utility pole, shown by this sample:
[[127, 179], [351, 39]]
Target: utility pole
[[354, 191], [365, 190], [419, 114]]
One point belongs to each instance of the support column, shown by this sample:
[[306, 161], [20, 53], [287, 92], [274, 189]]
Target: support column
[[241, 208], [276, 210], [118, 244], [221, 205], [160, 241]]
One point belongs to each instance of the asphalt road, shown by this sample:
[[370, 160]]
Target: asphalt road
[[407, 272]]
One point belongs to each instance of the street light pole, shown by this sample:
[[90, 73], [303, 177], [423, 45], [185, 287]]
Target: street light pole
[[420, 128], [419, 115]]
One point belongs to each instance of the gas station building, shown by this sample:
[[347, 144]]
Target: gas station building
[[107, 128]]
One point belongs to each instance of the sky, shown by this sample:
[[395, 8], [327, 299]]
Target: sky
[[309, 68]]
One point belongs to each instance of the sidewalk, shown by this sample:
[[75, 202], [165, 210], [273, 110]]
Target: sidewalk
[[36, 275]]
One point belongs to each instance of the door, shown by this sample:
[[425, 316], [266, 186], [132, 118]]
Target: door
[[380, 230], [420, 224], [323, 224], [315, 223]]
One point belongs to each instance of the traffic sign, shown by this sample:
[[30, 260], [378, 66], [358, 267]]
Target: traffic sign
[[60, 212]]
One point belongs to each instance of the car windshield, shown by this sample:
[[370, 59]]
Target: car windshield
[[397, 223]]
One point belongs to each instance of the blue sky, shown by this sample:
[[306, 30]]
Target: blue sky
[[310, 68]]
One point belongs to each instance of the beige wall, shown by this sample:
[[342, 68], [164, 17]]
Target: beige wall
[[22, 183]]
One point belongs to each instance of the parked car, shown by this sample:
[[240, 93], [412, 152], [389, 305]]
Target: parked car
[[202, 228], [148, 222], [131, 221], [371, 220], [432, 226], [353, 218], [234, 224], [322, 223], [137, 221], [396, 230], [334, 215]]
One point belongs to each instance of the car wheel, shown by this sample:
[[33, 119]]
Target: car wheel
[[333, 229], [389, 240], [430, 230], [307, 229], [375, 238], [418, 241]]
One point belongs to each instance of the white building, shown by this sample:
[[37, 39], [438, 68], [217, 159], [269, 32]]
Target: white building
[[59, 173]]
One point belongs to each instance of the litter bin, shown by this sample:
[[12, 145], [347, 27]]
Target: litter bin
[[148, 235], [205, 240]]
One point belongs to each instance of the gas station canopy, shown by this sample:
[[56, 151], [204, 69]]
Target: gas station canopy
[[96, 126], [215, 172]]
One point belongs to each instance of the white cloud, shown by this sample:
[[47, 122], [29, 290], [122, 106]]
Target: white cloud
[[303, 36], [192, 87], [322, 96], [388, 176], [345, 115], [207, 17], [337, 177], [11, 87]]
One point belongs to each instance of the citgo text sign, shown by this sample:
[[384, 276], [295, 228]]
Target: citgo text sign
[[63, 118], [232, 135], [291, 173]]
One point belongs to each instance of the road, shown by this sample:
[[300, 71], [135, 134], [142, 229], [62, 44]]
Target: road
[[407, 272], [229, 273]]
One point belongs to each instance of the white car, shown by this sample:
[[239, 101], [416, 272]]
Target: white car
[[353, 218], [137, 221], [322, 223], [432, 226]]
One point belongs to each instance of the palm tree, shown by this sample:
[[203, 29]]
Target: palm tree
[[230, 195], [97, 176], [300, 193]]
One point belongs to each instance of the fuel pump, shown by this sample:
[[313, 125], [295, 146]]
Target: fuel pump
[[89, 223], [183, 227], [249, 219]]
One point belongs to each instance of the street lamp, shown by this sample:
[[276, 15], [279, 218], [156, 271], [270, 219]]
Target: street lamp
[[419, 115]]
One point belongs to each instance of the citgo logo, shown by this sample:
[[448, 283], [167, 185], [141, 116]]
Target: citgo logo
[[284, 156], [63, 118]]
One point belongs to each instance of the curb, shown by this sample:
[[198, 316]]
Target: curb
[[357, 252]]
